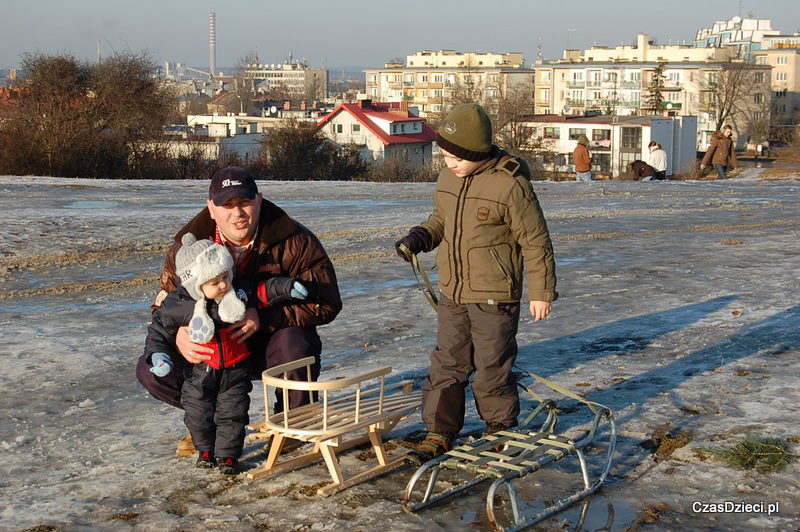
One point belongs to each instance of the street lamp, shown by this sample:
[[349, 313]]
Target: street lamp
[[241, 108]]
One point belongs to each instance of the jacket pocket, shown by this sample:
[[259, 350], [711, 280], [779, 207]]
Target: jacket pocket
[[443, 263], [489, 269]]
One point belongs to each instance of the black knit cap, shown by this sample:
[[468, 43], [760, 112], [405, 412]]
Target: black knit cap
[[466, 132], [232, 182]]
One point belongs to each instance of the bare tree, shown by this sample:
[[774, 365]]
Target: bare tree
[[735, 92], [89, 120]]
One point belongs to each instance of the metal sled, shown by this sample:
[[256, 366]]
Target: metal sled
[[509, 455]]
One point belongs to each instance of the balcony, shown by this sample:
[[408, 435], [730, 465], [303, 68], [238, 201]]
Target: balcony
[[576, 83], [575, 102], [631, 84]]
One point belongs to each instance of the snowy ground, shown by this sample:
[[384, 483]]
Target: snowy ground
[[679, 310]]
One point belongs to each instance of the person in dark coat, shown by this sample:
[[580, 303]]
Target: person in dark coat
[[721, 152], [641, 171], [270, 251]]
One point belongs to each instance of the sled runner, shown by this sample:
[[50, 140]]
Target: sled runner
[[343, 413], [510, 455]]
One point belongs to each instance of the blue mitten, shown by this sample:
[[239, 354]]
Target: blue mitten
[[162, 364], [298, 291]]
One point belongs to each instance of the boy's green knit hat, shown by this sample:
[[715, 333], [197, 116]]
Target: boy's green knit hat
[[466, 132]]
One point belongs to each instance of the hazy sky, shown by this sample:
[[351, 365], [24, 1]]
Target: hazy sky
[[365, 33]]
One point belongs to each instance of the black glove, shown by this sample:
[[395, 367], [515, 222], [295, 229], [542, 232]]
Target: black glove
[[280, 290], [418, 239]]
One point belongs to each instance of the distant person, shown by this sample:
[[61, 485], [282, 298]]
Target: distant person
[[214, 394], [721, 152], [641, 171], [583, 160], [658, 160], [486, 224], [266, 245]]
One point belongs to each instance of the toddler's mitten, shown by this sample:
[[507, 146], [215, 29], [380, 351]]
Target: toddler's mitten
[[162, 364]]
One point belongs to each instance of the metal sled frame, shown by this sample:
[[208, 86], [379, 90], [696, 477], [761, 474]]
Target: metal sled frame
[[350, 411], [510, 455]]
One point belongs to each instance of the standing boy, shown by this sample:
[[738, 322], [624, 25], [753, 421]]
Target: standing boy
[[486, 223]]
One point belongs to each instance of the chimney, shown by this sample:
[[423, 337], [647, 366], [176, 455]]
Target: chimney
[[642, 44], [366, 103], [287, 106], [212, 44], [303, 106]]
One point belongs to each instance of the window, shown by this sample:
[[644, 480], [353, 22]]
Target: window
[[758, 116], [355, 129], [782, 60], [780, 76], [575, 132], [759, 77], [758, 97], [437, 78], [601, 134], [636, 76], [761, 60], [611, 77], [632, 138], [546, 75], [552, 132], [339, 128], [436, 108], [422, 78], [674, 96]]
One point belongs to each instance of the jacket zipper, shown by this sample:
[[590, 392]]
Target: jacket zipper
[[457, 235], [218, 338], [509, 278]]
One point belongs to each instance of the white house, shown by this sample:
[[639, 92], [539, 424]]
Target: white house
[[380, 130], [614, 141]]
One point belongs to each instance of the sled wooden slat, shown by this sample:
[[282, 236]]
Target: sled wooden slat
[[346, 412]]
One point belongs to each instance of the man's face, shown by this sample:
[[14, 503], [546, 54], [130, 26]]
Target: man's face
[[460, 167], [237, 219]]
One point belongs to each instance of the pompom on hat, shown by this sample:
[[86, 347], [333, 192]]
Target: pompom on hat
[[196, 263], [466, 133]]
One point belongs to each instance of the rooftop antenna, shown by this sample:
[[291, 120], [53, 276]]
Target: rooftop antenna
[[539, 53], [99, 58], [212, 44]]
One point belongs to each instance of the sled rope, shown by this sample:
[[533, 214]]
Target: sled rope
[[424, 285]]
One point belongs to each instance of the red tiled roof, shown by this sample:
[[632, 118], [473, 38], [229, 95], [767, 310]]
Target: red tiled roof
[[363, 116]]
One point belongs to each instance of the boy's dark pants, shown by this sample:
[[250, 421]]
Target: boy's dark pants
[[479, 340], [215, 404], [284, 345]]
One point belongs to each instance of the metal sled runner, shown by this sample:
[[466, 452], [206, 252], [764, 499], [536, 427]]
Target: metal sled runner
[[349, 411], [508, 456]]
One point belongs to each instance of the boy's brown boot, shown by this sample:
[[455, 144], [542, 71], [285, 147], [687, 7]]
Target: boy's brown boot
[[433, 445]]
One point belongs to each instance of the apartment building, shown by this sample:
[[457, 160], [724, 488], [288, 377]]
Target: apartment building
[[618, 82], [296, 78], [784, 60], [432, 81], [743, 35]]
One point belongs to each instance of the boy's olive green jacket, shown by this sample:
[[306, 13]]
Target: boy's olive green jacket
[[486, 225]]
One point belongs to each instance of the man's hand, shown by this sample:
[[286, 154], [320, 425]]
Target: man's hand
[[192, 352], [246, 327], [540, 309]]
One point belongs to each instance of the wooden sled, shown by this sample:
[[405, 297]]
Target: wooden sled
[[509, 455], [346, 412]]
